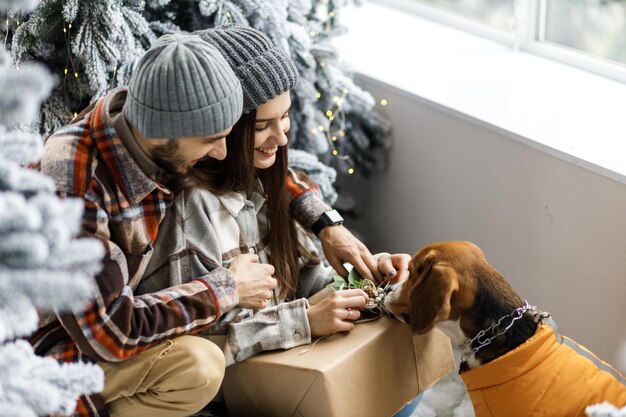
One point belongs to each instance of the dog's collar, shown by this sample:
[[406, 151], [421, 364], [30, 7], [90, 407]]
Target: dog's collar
[[497, 329]]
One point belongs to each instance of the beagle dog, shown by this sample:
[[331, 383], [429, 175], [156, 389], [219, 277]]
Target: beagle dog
[[513, 360]]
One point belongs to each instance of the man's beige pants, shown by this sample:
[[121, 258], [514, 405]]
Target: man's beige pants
[[175, 378]]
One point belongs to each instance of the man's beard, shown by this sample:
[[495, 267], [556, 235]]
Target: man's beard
[[167, 158]]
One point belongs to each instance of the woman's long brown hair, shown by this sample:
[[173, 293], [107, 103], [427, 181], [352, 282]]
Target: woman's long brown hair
[[237, 173]]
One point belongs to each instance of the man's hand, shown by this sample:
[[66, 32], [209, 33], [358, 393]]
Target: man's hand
[[336, 312], [394, 267], [340, 246], [254, 281]]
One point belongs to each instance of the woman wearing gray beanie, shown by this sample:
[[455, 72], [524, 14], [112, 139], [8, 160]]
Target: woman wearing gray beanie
[[241, 205], [265, 72]]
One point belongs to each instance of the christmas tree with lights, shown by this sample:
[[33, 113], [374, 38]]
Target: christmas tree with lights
[[43, 268], [93, 45]]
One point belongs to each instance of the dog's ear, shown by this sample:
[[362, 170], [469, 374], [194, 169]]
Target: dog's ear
[[418, 269], [431, 298]]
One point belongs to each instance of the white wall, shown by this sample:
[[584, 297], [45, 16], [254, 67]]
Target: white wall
[[556, 231]]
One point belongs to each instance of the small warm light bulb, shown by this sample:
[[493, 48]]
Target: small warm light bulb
[[320, 128], [318, 95], [345, 91], [64, 30], [336, 99], [331, 118], [342, 133], [334, 138], [329, 113], [351, 171], [312, 33], [70, 25], [331, 14], [65, 71], [384, 102], [322, 64], [75, 114], [228, 15], [75, 75], [335, 152]]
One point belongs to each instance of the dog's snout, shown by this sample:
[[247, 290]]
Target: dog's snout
[[394, 306]]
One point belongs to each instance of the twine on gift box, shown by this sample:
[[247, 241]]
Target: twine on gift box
[[302, 352]]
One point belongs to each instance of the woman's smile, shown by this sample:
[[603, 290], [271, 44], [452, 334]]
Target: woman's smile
[[267, 151]]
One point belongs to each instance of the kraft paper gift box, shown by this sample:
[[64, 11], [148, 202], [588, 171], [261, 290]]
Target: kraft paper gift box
[[374, 370]]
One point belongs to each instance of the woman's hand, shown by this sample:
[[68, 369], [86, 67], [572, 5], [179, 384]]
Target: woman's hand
[[394, 267], [336, 312], [319, 296]]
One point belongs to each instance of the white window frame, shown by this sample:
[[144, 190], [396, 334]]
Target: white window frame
[[527, 34]]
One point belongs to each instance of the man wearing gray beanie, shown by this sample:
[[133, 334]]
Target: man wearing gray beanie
[[118, 156]]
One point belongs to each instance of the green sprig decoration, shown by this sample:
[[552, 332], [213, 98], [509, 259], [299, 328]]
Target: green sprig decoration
[[354, 280], [374, 308]]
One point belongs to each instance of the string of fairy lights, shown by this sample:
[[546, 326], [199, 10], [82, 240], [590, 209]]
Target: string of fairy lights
[[67, 28], [336, 110]]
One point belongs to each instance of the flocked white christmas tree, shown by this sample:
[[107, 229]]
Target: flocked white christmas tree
[[93, 45], [42, 266]]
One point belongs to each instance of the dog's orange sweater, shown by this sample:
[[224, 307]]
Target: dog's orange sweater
[[548, 375]]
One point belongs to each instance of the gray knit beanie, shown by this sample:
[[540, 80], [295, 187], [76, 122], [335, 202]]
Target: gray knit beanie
[[182, 87], [264, 70]]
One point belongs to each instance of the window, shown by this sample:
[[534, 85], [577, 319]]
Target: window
[[595, 27], [496, 13], [590, 34]]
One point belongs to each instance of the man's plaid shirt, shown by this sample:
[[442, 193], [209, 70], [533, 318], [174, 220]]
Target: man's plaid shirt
[[123, 209]]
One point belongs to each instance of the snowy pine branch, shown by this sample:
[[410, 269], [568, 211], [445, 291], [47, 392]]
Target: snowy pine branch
[[42, 265], [19, 146], [14, 178], [40, 386], [38, 254], [23, 91], [18, 318]]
